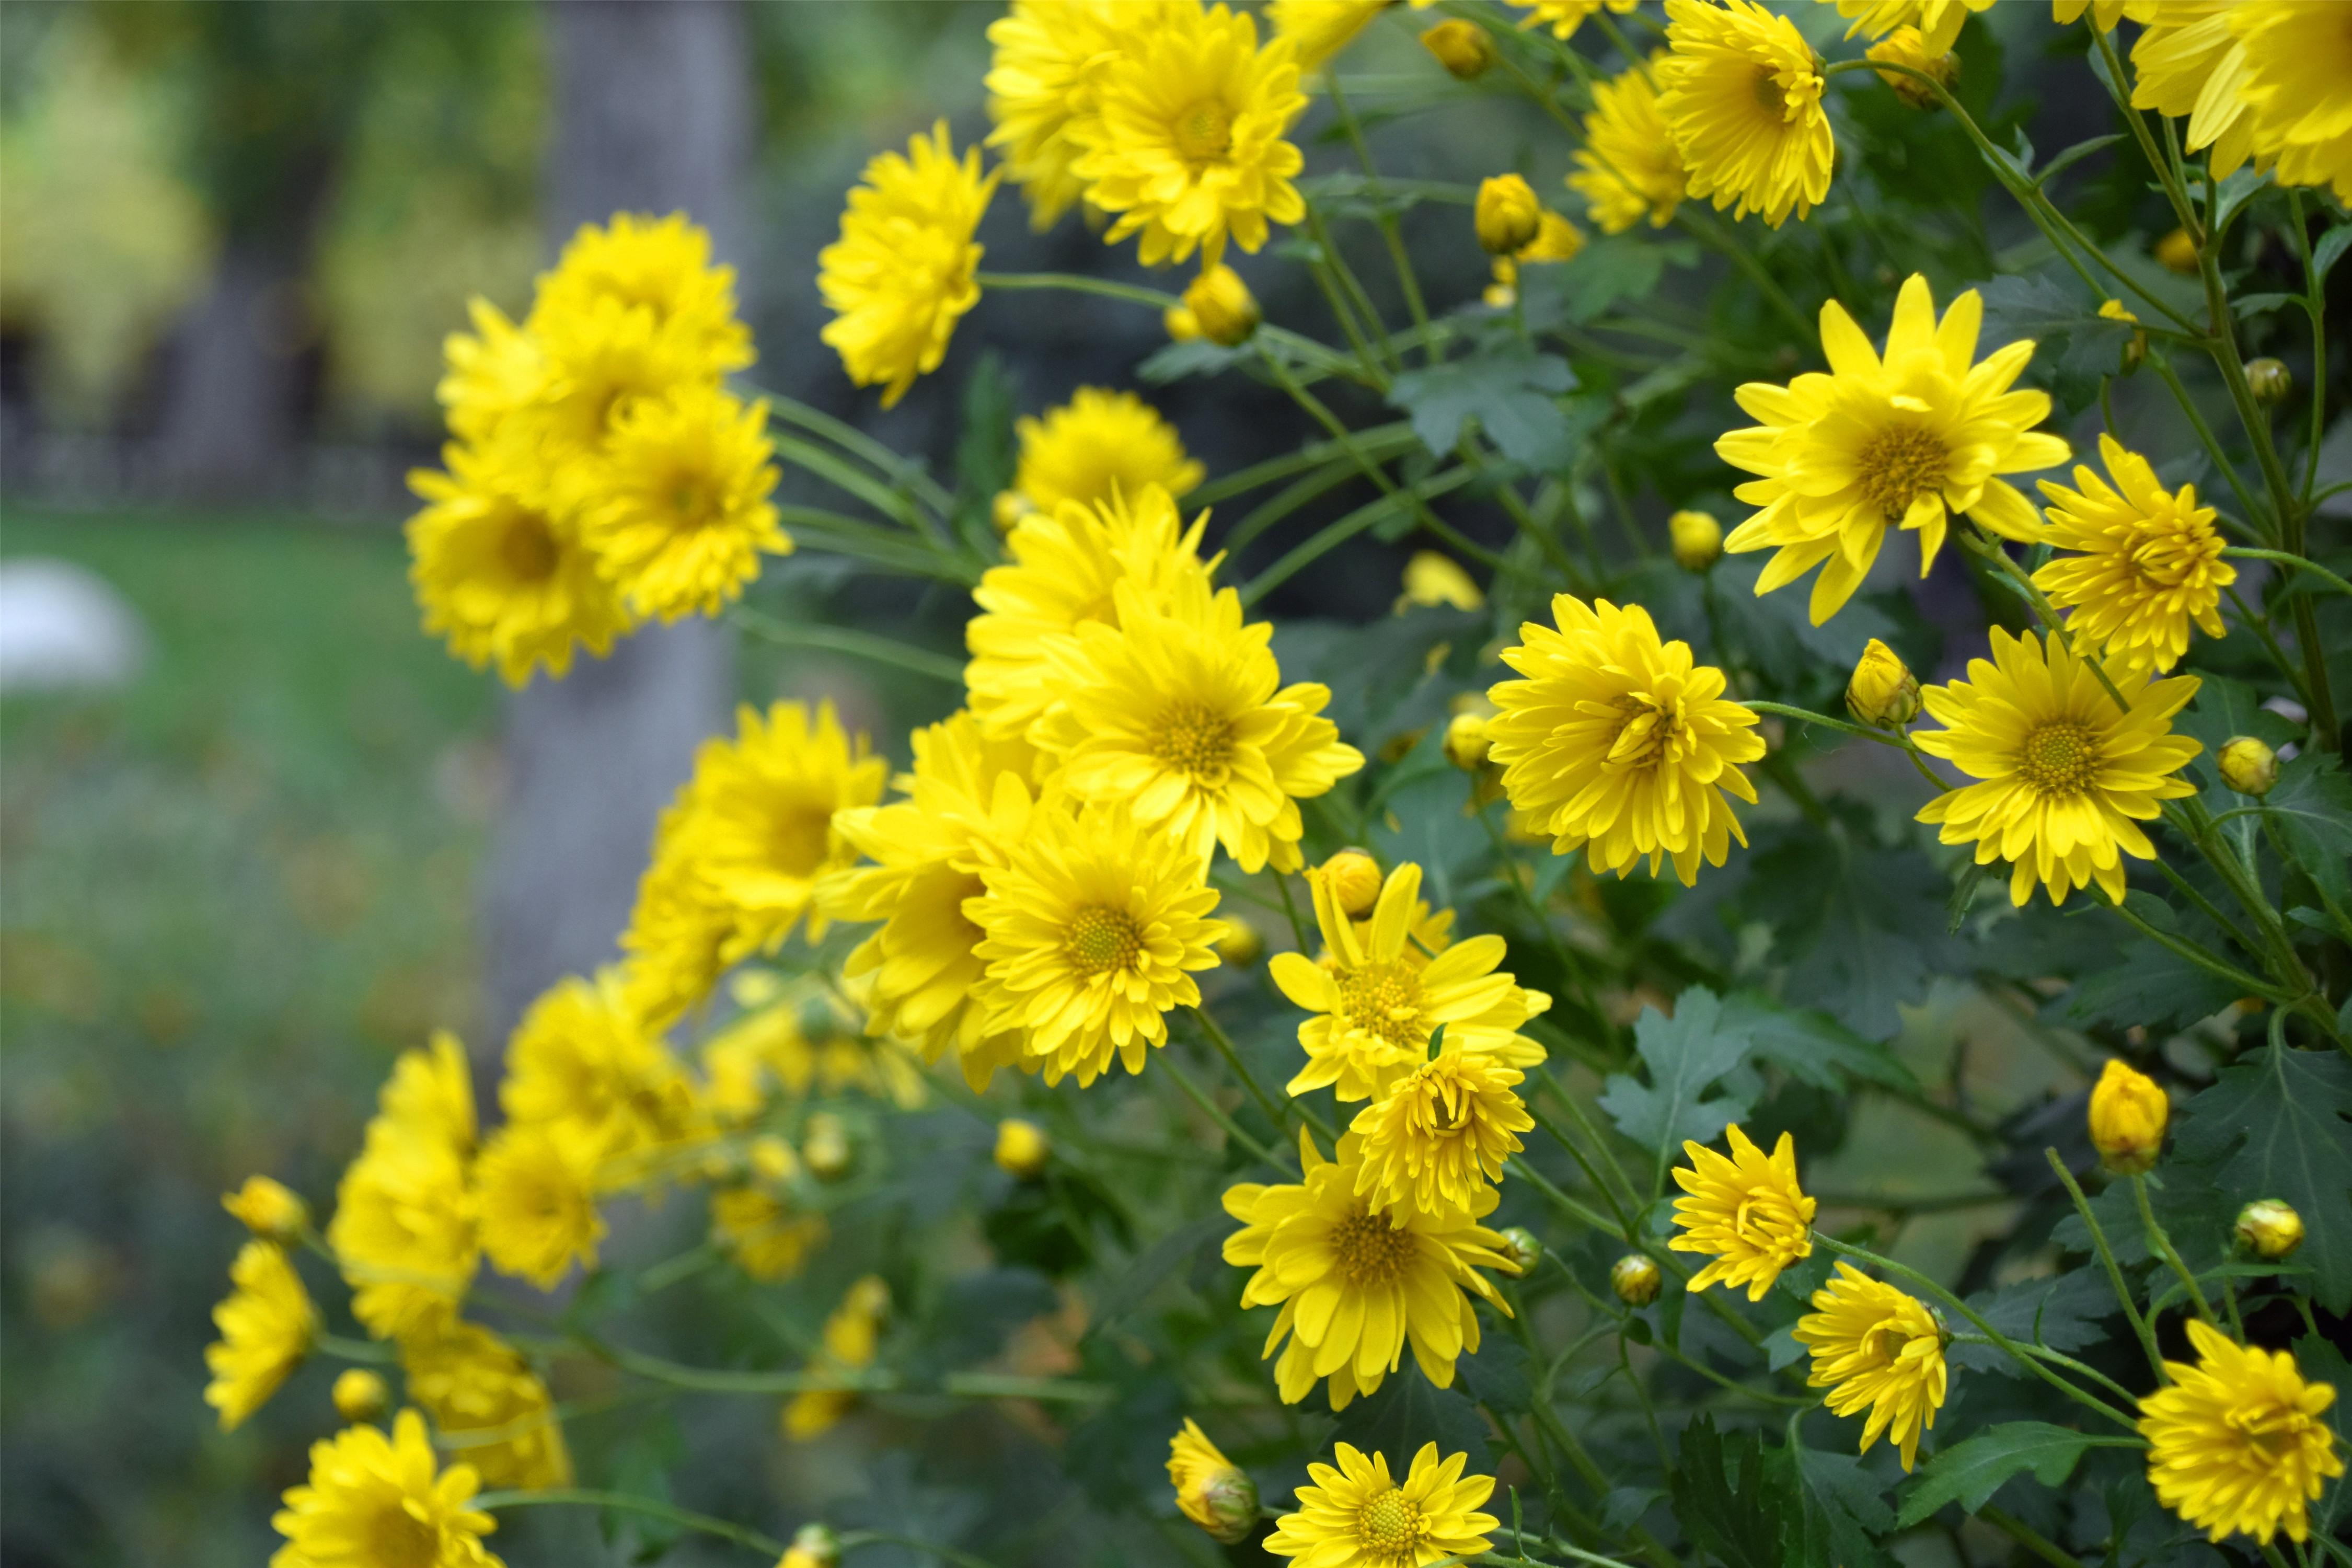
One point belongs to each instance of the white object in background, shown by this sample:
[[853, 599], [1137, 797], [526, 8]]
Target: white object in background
[[64, 626]]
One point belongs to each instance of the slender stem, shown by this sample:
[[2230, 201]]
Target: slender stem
[[2213, 964], [1289, 907], [2315, 307], [2299, 562], [353, 1350], [1382, 439], [1265, 1102], [1217, 1113], [2141, 1331], [1326, 359], [856, 441], [1333, 534], [581, 1497], [1561, 1200], [1398, 255], [2025, 1535], [1624, 1220], [1711, 234], [2252, 507], [2160, 1243], [843, 640]]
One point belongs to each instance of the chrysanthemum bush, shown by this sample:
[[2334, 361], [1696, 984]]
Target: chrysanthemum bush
[[1389, 1068]]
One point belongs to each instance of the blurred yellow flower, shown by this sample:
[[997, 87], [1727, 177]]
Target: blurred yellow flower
[[2240, 1442], [360, 1394], [1098, 447], [2191, 63], [2105, 14], [1740, 93], [1047, 57], [1746, 1213], [767, 1236], [2298, 91], [1431, 579], [583, 1063], [492, 373], [852, 1334], [1628, 170], [269, 1209], [2147, 561], [678, 513], [1355, 1515], [658, 264], [1506, 214], [470, 1381], [403, 1231], [1937, 22], [1565, 17], [1321, 28], [369, 1492], [1876, 1349], [538, 1186], [1219, 308], [267, 1325]]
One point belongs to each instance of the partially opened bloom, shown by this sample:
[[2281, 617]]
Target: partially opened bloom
[[1618, 744], [537, 1198], [1100, 446], [900, 276], [680, 514], [1210, 1489], [471, 1381], [1628, 171], [852, 1332], [268, 1208], [374, 1499], [1909, 440], [1876, 1349], [403, 1232], [2065, 777], [1939, 22], [266, 1326], [1319, 29], [1047, 57], [1740, 93], [1744, 1212], [1357, 1288], [2240, 1442], [2126, 1118], [2146, 564], [1438, 1137], [1355, 1515], [659, 264]]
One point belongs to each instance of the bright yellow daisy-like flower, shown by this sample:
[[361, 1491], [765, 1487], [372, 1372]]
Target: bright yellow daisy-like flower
[[1093, 927], [1319, 29], [1355, 1515], [538, 1197], [1041, 79], [681, 935], [1066, 568], [1182, 715], [1377, 998], [1741, 92], [2297, 88], [2240, 1441], [928, 851], [1187, 143], [1911, 440], [501, 568], [2065, 777], [1878, 1349], [1565, 17], [2147, 563], [1628, 170], [853, 1333], [603, 359], [403, 1231], [493, 372], [659, 264], [266, 1326], [375, 1499], [1098, 447], [2191, 62], [1617, 744], [1438, 1137], [469, 1380], [584, 1064], [680, 515], [1356, 1288], [766, 1235], [2105, 14], [900, 276], [1938, 21], [430, 1092], [1747, 1213]]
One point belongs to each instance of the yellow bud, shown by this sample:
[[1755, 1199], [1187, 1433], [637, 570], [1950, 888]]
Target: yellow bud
[[1181, 324], [824, 1147], [1020, 1148], [360, 1394], [1355, 882], [2269, 1228], [1696, 537], [2248, 766], [1557, 239], [814, 1546], [1225, 1503], [1507, 215], [269, 1209], [2128, 1113], [1462, 47], [1906, 47], [1243, 944], [1433, 579], [1009, 507], [1466, 740], [1520, 1246], [1635, 1279], [2269, 380], [1504, 291], [1882, 691], [2177, 251], [771, 1158], [1224, 309]]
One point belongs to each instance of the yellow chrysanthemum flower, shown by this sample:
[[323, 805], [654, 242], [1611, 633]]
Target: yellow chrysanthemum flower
[[493, 372], [268, 1208], [2105, 14], [1181, 715], [2297, 89], [2148, 562], [2191, 62], [1875, 1348], [500, 567], [469, 1380], [374, 1499], [680, 937], [1912, 440], [852, 1332], [1186, 145], [766, 1235], [1747, 1213], [1210, 1489], [1377, 998], [659, 264], [267, 1325], [602, 360], [1066, 568], [929, 850], [680, 514], [1319, 29], [430, 1092], [1618, 743], [1938, 21], [537, 1188], [583, 1063], [2240, 1442], [900, 276], [1565, 17], [1628, 170], [1096, 448], [1047, 56], [1356, 1516], [1740, 93], [403, 1231], [1093, 926], [1357, 1288], [2066, 777], [1438, 1137]]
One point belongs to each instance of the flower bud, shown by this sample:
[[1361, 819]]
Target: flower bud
[[824, 1147], [1224, 309], [1520, 1246], [2177, 252], [1504, 291], [2269, 1228], [1882, 691], [1507, 216], [1355, 882], [1635, 1279], [1211, 1490], [1696, 537], [1020, 1148], [269, 1209], [1009, 507], [2248, 766], [771, 1159], [1431, 579], [1466, 742], [814, 1546], [1462, 47], [2128, 1113], [1557, 239], [1908, 46], [360, 1394], [2269, 380], [1181, 324], [1243, 944]]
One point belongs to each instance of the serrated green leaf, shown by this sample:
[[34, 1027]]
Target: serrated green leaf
[[1845, 1505], [2276, 1127], [2151, 988], [1863, 929], [1513, 395], [2310, 808], [1811, 1046], [1687, 1056], [2065, 1312], [1725, 1501], [1408, 1411], [1969, 1473]]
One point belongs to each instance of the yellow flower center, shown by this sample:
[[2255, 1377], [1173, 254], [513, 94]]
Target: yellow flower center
[[1768, 94], [1103, 939], [2059, 756], [1204, 131], [2272, 1426], [1897, 465], [1651, 730], [1389, 1525], [2164, 556], [800, 837], [527, 549], [1371, 1251], [397, 1539], [1442, 1102], [1384, 999], [690, 501], [1194, 739]]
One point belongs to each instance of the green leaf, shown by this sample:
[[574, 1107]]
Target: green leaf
[[1844, 1505], [2331, 249], [1725, 1501], [1686, 1054], [1409, 1411], [1511, 394], [1811, 1046], [2066, 1312], [2275, 1126], [2310, 808], [1969, 1473], [1496, 1377], [2152, 988], [2320, 1361], [1863, 929]]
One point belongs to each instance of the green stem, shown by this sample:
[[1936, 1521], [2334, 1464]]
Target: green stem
[[2213, 964], [2141, 1330], [2299, 562], [1406, 279], [361, 1350], [854, 441], [2025, 1535], [1327, 360], [851, 1540], [743, 1535], [1383, 439], [2160, 1243], [1217, 1114], [1331, 535], [843, 639], [1265, 1102], [1710, 234]]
